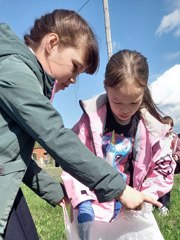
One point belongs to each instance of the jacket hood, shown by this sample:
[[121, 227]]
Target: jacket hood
[[154, 127], [93, 104], [10, 44]]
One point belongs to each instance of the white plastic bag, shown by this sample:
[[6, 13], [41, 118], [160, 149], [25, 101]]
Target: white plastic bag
[[129, 225], [70, 227]]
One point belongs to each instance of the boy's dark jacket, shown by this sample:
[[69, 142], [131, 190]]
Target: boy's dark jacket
[[26, 116]]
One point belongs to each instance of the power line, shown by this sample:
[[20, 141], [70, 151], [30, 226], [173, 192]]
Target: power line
[[83, 5]]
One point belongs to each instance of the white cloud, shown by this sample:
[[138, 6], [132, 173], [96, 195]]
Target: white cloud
[[172, 56], [166, 94], [169, 23]]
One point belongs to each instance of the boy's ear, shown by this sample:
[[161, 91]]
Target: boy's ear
[[52, 41]]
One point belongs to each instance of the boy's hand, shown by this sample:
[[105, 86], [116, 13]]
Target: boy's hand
[[133, 199]]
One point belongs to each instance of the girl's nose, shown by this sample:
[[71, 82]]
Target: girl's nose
[[124, 110], [73, 80]]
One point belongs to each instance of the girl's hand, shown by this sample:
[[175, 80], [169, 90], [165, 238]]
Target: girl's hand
[[175, 156], [133, 199]]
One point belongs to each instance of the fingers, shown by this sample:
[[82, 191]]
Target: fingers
[[134, 199], [136, 209], [152, 201], [139, 207]]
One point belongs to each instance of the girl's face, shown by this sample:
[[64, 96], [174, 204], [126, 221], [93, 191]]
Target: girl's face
[[64, 65], [124, 101]]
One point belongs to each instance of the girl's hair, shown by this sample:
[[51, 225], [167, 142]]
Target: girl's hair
[[70, 28], [127, 65], [168, 120]]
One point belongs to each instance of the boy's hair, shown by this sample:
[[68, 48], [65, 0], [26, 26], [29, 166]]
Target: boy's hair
[[71, 29], [127, 65]]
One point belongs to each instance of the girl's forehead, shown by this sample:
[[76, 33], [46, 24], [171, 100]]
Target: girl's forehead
[[125, 92]]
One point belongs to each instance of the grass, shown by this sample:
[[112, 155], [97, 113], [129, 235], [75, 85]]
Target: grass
[[50, 224], [169, 225], [48, 220]]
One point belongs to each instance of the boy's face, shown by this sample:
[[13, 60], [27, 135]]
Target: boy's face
[[60, 62], [65, 65]]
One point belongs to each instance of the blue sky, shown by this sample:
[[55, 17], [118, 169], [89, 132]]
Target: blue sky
[[151, 27]]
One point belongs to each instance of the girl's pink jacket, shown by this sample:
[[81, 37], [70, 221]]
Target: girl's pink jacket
[[153, 162]]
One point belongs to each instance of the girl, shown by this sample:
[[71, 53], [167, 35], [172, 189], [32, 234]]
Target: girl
[[60, 46], [165, 199], [124, 127]]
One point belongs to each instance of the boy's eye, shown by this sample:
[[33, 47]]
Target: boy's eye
[[75, 67]]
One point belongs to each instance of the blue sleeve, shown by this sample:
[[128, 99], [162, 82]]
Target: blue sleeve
[[117, 209], [85, 212]]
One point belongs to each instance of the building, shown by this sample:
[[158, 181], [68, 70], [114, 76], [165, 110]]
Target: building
[[40, 155]]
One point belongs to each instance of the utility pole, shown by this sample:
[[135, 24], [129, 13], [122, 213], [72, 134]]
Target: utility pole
[[107, 27]]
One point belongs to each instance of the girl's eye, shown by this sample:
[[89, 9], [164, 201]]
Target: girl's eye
[[117, 103], [135, 103]]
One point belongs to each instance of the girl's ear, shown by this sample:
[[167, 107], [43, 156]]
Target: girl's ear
[[52, 41]]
